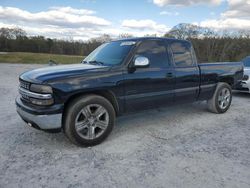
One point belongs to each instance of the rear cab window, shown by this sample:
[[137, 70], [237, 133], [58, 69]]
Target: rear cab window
[[182, 54]]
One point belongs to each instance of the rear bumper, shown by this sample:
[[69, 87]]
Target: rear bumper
[[40, 121]]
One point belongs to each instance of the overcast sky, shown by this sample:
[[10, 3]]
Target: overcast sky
[[84, 19]]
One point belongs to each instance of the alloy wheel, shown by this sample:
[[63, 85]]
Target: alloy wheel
[[92, 121], [224, 98]]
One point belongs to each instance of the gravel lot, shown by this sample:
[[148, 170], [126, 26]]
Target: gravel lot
[[180, 146]]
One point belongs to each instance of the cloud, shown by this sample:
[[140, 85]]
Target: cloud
[[71, 23], [169, 13], [237, 9], [237, 16], [58, 32], [57, 16], [229, 23], [145, 25], [56, 22], [162, 3], [71, 10]]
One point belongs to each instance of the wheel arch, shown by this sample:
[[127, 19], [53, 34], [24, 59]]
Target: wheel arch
[[107, 94], [229, 80]]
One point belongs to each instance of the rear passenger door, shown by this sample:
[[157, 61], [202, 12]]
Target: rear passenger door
[[186, 71], [151, 86]]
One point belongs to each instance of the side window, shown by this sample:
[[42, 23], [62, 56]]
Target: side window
[[182, 54], [155, 51]]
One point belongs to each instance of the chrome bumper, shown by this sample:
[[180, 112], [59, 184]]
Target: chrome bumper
[[52, 121]]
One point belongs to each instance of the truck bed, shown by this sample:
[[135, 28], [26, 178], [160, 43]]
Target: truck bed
[[212, 73]]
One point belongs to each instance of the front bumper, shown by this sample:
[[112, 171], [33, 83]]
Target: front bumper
[[38, 119]]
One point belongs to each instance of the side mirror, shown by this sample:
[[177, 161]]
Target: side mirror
[[141, 61], [52, 62]]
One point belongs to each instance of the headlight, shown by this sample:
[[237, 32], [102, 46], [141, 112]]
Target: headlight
[[40, 88], [42, 102]]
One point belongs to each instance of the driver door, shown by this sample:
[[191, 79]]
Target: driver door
[[152, 86]]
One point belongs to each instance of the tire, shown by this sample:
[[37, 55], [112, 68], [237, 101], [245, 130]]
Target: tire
[[89, 120], [222, 98]]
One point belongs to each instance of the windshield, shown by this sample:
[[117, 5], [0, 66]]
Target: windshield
[[246, 61], [112, 53]]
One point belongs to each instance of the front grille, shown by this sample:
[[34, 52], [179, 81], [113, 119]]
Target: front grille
[[26, 97], [25, 85]]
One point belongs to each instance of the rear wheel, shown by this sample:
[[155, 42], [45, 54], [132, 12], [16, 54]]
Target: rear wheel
[[89, 120], [222, 98]]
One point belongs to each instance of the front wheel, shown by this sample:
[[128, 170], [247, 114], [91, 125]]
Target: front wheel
[[89, 120], [222, 98]]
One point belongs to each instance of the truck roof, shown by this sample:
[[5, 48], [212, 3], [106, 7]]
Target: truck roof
[[150, 38]]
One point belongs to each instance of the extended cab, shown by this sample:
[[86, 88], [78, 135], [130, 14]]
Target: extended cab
[[119, 77]]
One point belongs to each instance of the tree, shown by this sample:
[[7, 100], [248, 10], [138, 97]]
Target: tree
[[184, 31]]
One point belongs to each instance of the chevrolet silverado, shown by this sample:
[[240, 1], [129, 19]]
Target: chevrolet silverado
[[119, 77]]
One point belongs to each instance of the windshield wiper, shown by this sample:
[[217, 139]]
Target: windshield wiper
[[95, 62]]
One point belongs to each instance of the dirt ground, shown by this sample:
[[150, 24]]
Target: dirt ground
[[180, 146]]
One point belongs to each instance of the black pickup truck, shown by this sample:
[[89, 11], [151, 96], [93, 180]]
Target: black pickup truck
[[119, 77]]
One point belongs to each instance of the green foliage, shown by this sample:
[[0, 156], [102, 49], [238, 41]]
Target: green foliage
[[38, 58]]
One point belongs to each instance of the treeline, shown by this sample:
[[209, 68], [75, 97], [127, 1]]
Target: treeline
[[221, 49], [16, 40], [210, 46]]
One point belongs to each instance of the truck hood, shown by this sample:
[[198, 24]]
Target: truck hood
[[46, 74]]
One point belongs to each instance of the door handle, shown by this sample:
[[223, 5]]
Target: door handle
[[169, 75]]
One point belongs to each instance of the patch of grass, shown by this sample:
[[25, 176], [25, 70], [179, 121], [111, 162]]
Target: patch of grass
[[38, 58]]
